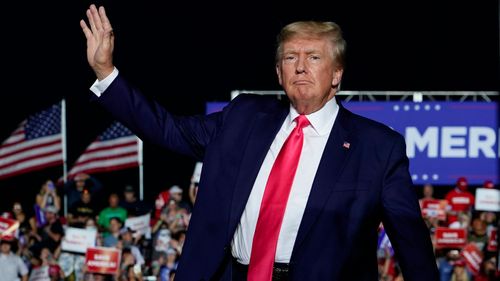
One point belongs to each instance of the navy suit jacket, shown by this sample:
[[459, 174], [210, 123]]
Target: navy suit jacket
[[354, 188]]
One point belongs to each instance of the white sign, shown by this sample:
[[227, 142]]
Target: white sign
[[487, 199], [140, 225], [78, 239], [197, 172]]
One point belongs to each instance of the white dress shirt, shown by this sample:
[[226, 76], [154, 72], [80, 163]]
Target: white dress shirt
[[315, 139]]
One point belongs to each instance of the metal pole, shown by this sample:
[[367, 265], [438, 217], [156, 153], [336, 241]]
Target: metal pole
[[141, 169], [64, 152]]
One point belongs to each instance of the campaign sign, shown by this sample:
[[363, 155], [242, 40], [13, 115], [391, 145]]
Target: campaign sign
[[434, 208], [473, 257], [492, 241], [444, 140], [8, 228], [78, 240], [102, 260], [140, 224], [487, 199], [450, 237]]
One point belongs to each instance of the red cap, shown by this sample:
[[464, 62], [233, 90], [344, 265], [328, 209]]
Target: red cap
[[462, 183], [54, 270], [488, 184]]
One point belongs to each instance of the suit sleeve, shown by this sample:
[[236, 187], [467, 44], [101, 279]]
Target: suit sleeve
[[403, 221], [151, 122]]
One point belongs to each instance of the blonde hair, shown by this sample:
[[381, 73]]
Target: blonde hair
[[314, 30]]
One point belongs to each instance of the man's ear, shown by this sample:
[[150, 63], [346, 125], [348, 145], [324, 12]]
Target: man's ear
[[278, 72], [337, 77]]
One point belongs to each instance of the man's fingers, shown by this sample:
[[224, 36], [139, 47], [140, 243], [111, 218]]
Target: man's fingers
[[105, 21], [86, 30], [91, 21], [96, 17]]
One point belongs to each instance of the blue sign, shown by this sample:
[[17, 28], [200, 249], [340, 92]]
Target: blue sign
[[444, 140]]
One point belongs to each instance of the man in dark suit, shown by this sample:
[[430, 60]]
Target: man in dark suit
[[303, 181]]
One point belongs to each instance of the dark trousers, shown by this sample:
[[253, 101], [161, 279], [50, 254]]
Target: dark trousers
[[280, 271]]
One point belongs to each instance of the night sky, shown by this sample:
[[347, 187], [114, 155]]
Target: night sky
[[185, 54]]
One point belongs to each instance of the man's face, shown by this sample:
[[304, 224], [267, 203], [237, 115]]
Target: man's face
[[5, 248], [308, 73], [113, 200]]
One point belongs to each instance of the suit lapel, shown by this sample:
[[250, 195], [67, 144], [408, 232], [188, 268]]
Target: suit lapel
[[263, 131], [337, 150]]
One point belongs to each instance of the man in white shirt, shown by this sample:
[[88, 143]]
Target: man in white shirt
[[12, 267]]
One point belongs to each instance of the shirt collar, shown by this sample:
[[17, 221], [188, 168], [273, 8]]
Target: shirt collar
[[320, 120]]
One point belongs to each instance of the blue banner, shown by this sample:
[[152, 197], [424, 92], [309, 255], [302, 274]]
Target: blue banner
[[444, 140]]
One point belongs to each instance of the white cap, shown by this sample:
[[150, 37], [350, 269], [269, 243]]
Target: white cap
[[175, 189]]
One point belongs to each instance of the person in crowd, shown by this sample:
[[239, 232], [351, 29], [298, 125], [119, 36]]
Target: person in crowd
[[446, 263], [176, 194], [134, 206], [427, 193], [169, 265], [113, 234], [459, 200], [161, 201], [488, 271], [478, 234], [11, 265], [459, 271], [127, 240], [82, 210], [47, 197], [112, 211], [356, 174], [75, 186], [50, 235]]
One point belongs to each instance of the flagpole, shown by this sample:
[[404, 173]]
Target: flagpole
[[141, 169], [64, 151]]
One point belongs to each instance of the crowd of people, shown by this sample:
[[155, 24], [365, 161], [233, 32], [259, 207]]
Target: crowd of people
[[472, 257], [35, 246], [34, 250]]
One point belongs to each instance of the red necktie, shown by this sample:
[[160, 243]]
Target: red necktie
[[272, 207]]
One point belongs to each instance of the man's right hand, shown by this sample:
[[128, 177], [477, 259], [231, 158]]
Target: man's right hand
[[100, 41]]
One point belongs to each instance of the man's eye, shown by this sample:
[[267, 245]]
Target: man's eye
[[289, 58], [315, 58]]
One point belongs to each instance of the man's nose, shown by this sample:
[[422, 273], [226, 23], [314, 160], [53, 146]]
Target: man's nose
[[301, 65]]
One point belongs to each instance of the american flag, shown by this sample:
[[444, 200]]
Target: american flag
[[34, 145], [116, 148]]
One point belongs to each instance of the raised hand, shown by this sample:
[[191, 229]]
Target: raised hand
[[100, 41]]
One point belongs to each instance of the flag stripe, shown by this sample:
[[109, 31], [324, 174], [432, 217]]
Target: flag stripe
[[103, 165], [27, 165], [31, 168], [14, 139], [32, 154], [27, 151], [108, 153], [131, 142], [108, 143], [106, 157], [105, 169], [27, 144]]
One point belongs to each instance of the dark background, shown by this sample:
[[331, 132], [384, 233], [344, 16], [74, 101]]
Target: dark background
[[185, 54]]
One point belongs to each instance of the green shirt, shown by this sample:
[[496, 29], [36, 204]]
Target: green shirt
[[108, 213]]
